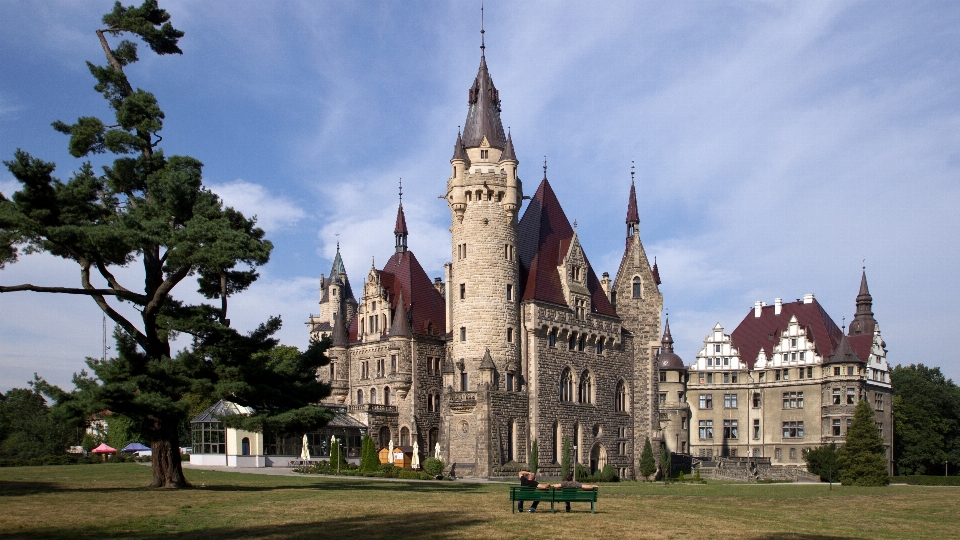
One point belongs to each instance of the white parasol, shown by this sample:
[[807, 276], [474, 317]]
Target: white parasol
[[436, 451], [415, 464], [305, 452], [390, 458]]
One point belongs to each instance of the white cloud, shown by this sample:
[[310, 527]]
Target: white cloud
[[8, 187], [272, 212]]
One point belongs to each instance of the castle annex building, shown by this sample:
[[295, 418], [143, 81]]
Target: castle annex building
[[519, 340]]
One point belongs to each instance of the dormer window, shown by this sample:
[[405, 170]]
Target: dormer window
[[484, 154]]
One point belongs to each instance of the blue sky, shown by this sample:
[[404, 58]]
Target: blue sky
[[778, 145]]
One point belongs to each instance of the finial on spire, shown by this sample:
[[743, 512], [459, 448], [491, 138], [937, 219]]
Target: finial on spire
[[544, 167], [574, 224], [632, 171], [482, 45], [338, 242], [401, 192], [844, 325]]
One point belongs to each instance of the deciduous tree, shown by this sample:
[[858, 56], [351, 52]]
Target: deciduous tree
[[926, 420]]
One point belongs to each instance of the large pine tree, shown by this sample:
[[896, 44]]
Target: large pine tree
[[862, 458], [151, 211]]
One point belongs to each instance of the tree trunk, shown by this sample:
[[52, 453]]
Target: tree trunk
[[167, 472]]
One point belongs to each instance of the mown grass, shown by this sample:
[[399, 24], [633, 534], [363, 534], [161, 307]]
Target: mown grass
[[108, 501]]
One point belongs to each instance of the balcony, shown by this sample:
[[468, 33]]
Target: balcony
[[369, 408]]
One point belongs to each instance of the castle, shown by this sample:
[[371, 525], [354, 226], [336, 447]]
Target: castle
[[521, 341]]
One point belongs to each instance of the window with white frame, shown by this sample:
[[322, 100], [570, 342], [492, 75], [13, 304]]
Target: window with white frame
[[706, 429], [793, 430], [706, 401]]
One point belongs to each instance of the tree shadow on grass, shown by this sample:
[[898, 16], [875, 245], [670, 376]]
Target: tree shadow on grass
[[408, 525], [801, 536], [14, 488]]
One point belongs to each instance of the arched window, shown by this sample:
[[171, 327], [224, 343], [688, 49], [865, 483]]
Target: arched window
[[582, 343], [566, 385], [245, 446], [404, 436], [637, 288], [621, 397], [384, 436], [359, 397], [557, 442], [386, 395], [436, 402], [585, 394], [433, 437], [572, 345], [373, 396], [598, 458], [600, 345], [552, 338]]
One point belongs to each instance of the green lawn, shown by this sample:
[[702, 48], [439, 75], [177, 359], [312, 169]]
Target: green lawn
[[109, 500]]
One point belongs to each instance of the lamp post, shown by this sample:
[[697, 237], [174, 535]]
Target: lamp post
[[576, 459]]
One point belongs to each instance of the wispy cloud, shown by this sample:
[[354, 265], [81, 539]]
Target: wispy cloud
[[272, 212]]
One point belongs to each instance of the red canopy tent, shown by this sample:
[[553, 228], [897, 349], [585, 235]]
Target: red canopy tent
[[103, 449]]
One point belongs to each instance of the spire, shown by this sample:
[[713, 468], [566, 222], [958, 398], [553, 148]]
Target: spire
[[401, 322], [633, 217], [667, 340], [508, 152], [863, 321], [656, 272], [482, 45], [487, 362], [459, 152], [400, 230], [483, 114]]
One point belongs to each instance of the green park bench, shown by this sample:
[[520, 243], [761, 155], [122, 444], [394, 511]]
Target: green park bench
[[551, 495]]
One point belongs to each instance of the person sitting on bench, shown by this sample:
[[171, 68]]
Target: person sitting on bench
[[569, 482], [528, 479]]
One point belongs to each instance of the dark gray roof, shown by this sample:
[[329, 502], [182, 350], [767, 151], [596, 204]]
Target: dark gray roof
[[509, 153], [220, 409], [843, 354], [342, 420], [667, 358], [483, 115]]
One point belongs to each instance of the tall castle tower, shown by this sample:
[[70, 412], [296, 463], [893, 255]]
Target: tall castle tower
[[484, 194]]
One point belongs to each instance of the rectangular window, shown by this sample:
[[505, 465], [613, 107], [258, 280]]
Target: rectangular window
[[836, 428], [680, 397], [793, 342], [851, 395], [836, 371], [552, 339], [509, 382], [801, 356], [663, 398], [878, 401], [463, 291], [756, 429], [809, 372], [509, 293], [793, 453], [733, 378], [393, 363], [683, 422], [777, 375], [730, 401], [710, 378], [726, 361], [836, 396], [762, 373], [793, 430], [849, 370], [756, 400], [706, 429], [464, 381], [793, 400], [716, 349], [706, 401], [800, 373], [710, 362], [663, 376], [730, 429], [880, 429], [509, 335], [786, 374], [463, 333], [726, 377], [777, 454]]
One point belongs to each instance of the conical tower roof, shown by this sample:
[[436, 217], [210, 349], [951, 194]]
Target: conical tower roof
[[843, 354], [401, 322], [483, 114], [459, 152], [509, 153], [401, 226], [863, 321], [633, 216]]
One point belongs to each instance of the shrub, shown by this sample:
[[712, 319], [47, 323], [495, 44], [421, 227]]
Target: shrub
[[919, 480], [433, 466], [565, 459], [647, 464], [369, 461], [408, 474], [389, 470], [681, 478], [426, 476]]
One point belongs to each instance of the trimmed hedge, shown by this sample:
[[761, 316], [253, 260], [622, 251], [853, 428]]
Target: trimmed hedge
[[918, 480]]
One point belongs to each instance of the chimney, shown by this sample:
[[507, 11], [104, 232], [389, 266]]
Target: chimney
[[808, 298], [777, 306], [757, 307]]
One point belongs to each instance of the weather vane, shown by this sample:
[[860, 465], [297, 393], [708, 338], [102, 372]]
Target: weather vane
[[401, 191]]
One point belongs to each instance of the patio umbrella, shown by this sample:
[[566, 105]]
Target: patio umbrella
[[103, 449], [305, 452], [390, 459], [134, 447], [436, 451], [415, 463]]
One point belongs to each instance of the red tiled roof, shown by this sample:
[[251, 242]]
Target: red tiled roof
[[401, 226], [403, 271], [861, 345], [545, 235], [754, 333]]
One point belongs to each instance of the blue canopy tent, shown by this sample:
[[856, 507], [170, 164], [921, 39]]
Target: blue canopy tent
[[134, 447]]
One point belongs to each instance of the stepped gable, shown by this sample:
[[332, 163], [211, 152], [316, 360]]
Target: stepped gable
[[403, 275], [544, 237], [753, 333], [844, 354]]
